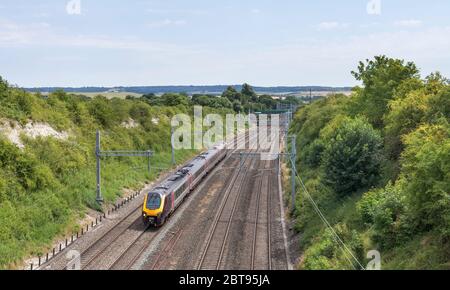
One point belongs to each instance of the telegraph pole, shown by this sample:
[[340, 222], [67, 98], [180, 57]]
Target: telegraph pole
[[149, 163], [294, 169], [172, 145], [99, 153], [99, 197]]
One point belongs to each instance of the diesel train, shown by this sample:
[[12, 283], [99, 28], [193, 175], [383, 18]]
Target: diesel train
[[163, 200]]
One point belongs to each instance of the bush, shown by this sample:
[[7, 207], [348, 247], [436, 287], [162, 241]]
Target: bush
[[426, 169], [311, 120], [47, 186], [387, 211], [175, 100], [381, 77], [313, 153], [439, 106], [327, 253], [353, 156], [100, 108], [405, 116], [409, 216]]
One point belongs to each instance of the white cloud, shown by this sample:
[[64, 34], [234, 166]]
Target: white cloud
[[332, 25], [41, 15], [177, 11], [318, 60], [12, 34], [329, 61], [166, 22], [412, 23], [369, 25], [42, 34]]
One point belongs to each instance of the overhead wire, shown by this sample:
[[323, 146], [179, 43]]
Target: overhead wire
[[335, 235]]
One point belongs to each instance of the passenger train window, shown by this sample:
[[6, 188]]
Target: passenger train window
[[153, 201], [180, 191], [168, 204]]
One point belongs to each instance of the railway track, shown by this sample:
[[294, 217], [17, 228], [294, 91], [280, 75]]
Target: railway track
[[134, 251], [212, 255], [166, 252], [262, 225], [129, 242], [96, 255], [236, 237], [255, 230], [269, 221], [104, 250], [168, 255], [96, 248]]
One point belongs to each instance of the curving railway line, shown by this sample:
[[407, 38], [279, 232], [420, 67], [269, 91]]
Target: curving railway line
[[121, 246], [261, 258], [232, 222], [212, 255], [243, 236]]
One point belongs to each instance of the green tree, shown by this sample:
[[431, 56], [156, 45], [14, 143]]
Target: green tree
[[149, 96], [175, 100], [386, 209], [352, 157], [436, 82], [201, 100], [439, 106], [222, 103], [292, 100], [380, 77], [415, 103], [426, 169], [237, 106], [231, 94], [101, 109], [405, 115], [248, 94], [3, 88], [268, 101]]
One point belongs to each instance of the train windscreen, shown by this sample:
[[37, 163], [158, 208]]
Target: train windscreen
[[153, 201]]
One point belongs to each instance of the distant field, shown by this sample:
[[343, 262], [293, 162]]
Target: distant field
[[321, 93], [109, 95], [123, 95]]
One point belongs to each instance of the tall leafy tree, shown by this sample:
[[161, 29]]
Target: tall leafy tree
[[248, 93], [175, 100], [352, 157], [380, 77], [426, 167], [231, 94], [268, 101]]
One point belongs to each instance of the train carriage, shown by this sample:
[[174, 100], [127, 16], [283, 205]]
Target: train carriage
[[163, 200]]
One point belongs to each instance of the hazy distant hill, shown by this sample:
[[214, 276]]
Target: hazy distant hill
[[191, 89]]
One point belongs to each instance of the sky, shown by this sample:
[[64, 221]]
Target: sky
[[203, 42]]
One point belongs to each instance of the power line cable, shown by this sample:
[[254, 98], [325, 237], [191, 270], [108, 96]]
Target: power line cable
[[324, 219]]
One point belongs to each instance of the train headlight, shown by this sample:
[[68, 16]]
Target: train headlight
[[144, 215]]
